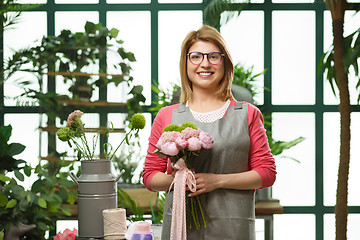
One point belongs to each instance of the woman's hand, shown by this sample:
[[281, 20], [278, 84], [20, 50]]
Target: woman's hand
[[205, 182]]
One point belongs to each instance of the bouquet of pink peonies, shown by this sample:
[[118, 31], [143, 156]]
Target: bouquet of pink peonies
[[182, 144]]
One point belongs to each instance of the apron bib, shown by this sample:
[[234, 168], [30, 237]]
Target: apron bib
[[231, 212]]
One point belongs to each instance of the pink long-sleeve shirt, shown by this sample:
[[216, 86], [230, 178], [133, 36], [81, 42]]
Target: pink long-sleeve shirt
[[260, 158]]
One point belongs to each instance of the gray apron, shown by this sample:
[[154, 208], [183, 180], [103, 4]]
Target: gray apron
[[232, 212]]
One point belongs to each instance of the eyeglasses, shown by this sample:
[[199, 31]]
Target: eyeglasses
[[214, 58]]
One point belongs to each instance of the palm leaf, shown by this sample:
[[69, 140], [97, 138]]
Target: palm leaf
[[213, 11]]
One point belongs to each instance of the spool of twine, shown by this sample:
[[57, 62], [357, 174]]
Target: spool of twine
[[114, 223]]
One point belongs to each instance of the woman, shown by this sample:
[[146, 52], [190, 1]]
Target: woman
[[240, 159]]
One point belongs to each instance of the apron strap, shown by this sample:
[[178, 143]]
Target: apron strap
[[238, 105], [181, 108]]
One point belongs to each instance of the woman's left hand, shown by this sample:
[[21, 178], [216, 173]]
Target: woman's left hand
[[205, 182]]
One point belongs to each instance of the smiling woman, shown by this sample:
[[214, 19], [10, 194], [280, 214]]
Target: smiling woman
[[240, 160]]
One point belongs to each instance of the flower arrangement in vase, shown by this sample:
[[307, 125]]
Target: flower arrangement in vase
[[74, 134], [96, 185]]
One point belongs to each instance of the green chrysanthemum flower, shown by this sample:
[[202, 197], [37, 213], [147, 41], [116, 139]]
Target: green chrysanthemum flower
[[172, 127], [137, 121], [189, 124], [64, 134]]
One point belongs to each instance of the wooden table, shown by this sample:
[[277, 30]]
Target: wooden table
[[264, 209]]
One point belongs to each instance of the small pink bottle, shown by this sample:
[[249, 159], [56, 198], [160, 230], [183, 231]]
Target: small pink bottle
[[142, 231]]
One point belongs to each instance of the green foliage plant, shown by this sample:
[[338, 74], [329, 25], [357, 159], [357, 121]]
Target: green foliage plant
[[163, 96], [337, 62], [219, 12], [9, 150], [42, 204], [76, 57], [135, 213], [10, 11], [128, 161]]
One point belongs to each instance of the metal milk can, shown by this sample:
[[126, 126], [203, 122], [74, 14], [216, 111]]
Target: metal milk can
[[97, 191]]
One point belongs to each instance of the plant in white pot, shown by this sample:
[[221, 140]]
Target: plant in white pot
[[96, 186]]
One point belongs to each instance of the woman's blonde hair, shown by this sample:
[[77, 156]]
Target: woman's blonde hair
[[208, 34]]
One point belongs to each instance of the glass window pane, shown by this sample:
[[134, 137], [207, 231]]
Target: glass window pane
[[350, 26], [65, 20], [33, 26], [259, 229], [137, 42], [291, 187], [173, 27], [353, 230], [246, 44], [293, 57], [331, 158], [298, 226], [115, 138]]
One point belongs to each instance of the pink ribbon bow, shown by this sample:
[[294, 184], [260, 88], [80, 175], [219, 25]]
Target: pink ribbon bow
[[183, 177]]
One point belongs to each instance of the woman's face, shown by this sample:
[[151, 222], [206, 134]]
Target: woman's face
[[205, 75]]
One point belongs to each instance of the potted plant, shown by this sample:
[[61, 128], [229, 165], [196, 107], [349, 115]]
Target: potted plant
[[337, 61]]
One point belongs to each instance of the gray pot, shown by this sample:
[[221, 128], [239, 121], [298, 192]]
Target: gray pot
[[96, 191], [263, 194]]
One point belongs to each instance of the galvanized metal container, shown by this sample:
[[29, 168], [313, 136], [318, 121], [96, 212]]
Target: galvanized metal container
[[96, 191]]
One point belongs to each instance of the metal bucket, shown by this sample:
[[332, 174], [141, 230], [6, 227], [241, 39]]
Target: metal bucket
[[96, 191]]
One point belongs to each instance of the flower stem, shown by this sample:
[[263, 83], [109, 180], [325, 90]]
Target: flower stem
[[126, 135], [201, 210]]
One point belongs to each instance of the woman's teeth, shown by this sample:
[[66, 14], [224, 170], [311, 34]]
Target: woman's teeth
[[205, 74]]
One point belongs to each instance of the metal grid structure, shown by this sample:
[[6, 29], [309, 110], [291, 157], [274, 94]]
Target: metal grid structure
[[319, 108]]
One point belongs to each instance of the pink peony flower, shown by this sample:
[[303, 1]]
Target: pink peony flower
[[190, 132], [206, 140], [159, 144], [169, 148], [169, 136], [181, 142], [72, 115], [67, 234], [194, 144]]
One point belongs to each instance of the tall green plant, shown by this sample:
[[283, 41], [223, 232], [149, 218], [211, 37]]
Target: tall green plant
[[342, 56]]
